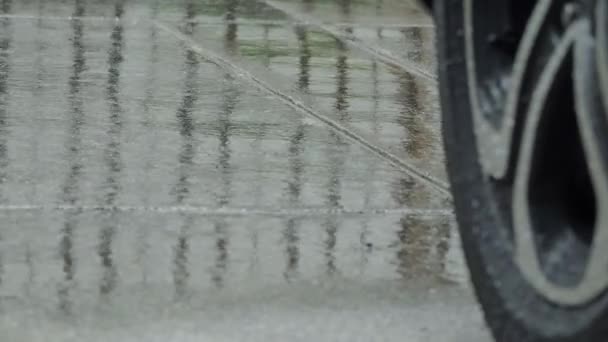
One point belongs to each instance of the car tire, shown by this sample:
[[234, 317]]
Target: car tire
[[491, 200]]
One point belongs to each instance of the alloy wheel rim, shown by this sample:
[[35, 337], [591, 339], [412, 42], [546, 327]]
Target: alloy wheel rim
[[538, 82]]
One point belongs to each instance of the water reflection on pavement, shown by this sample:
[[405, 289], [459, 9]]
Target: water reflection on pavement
[[220, 170]]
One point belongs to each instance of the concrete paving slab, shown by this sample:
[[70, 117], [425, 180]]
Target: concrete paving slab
[[149, 192]]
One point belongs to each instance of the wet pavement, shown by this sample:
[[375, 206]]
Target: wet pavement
[[225, 171]]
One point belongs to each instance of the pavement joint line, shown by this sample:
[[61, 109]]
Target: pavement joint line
[[220, 21], [208, 211], [372, 25], [238, 71], [58, 18], [379, 53]]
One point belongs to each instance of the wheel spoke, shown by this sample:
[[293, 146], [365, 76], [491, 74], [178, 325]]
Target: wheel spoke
[[526, 253], [577, 45], [498, 146], [601, 30], [538, 84], [592, 121]]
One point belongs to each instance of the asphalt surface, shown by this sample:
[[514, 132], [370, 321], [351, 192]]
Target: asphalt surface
[[225, 171]]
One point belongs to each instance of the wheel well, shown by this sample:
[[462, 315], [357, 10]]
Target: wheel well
[[428, 3]]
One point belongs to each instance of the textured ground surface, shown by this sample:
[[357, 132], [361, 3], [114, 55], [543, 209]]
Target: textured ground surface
[[214, 170]]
